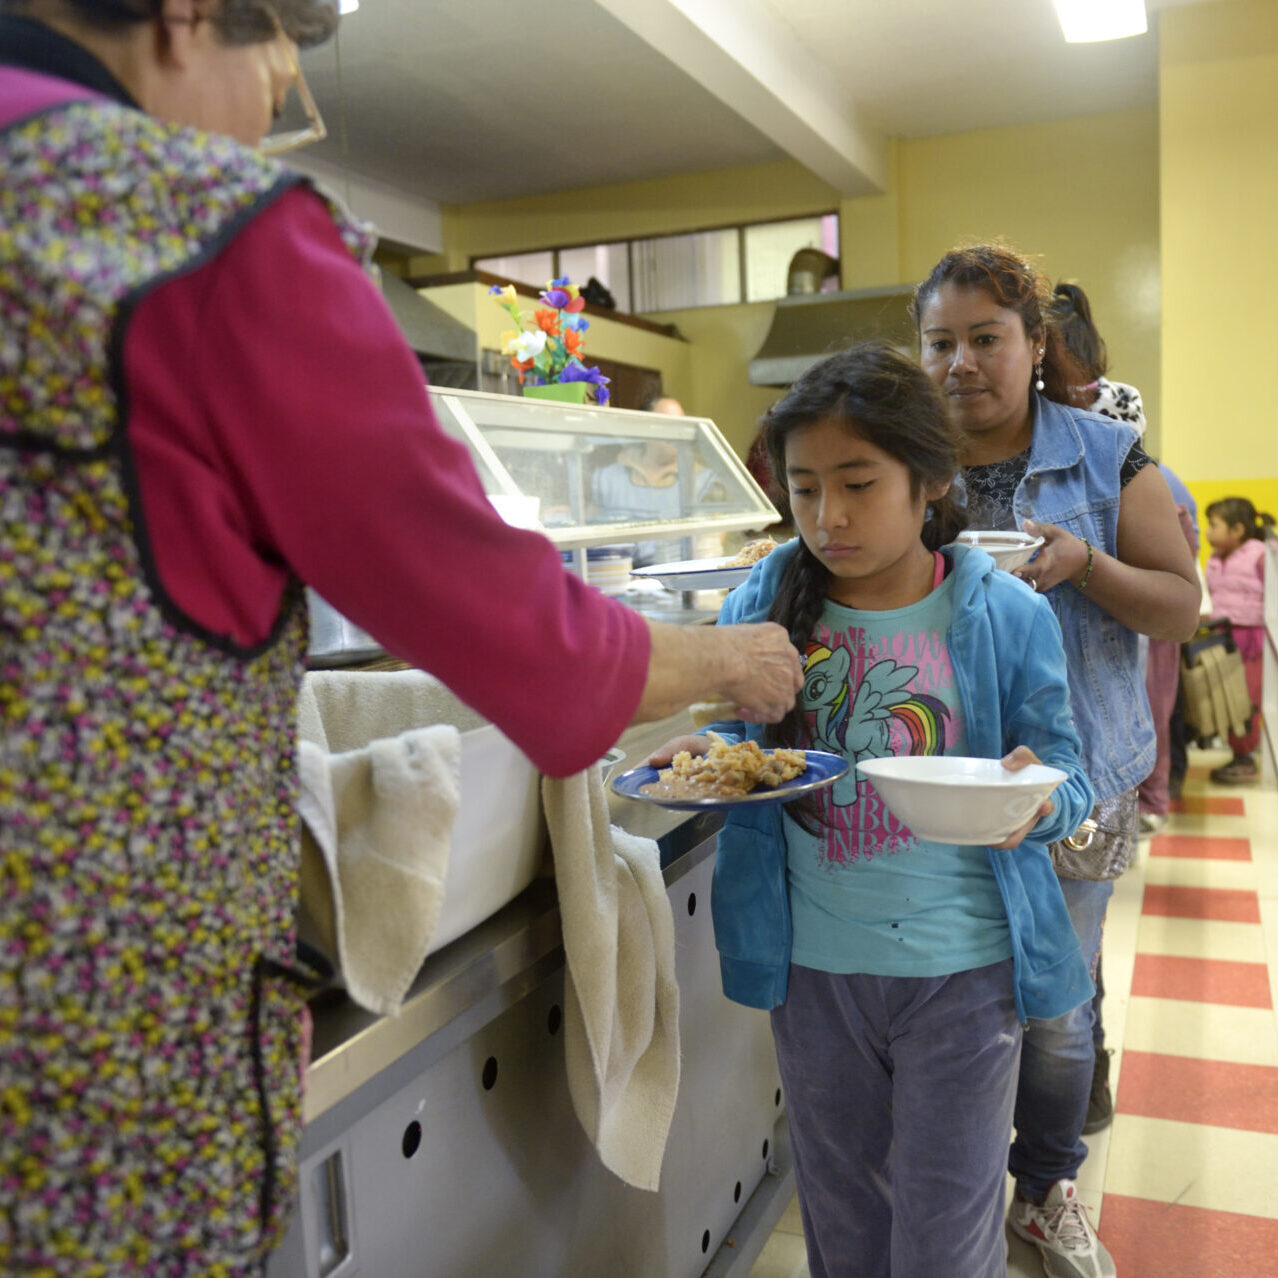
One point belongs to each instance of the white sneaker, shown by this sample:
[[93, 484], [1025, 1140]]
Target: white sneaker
[[1151, 823], [1062, 1233]]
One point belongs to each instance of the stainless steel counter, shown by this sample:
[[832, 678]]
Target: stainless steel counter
[[443, 1143], [494, 965]]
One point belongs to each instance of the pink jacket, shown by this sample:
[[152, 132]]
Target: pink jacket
[[1237, 584]]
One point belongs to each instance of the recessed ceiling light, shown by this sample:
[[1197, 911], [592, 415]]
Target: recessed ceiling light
[[1086, 21], [347, 6]]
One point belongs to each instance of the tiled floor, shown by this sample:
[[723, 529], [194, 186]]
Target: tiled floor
[[1184, 1184]]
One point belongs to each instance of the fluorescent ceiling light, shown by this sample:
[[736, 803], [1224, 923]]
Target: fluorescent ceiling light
[[1085, 21], [347, 6]]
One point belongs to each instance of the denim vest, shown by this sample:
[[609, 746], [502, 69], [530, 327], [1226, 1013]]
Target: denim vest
[[1073, 481]]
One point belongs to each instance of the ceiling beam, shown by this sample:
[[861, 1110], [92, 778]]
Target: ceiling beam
[[756, 65], [398, 215]]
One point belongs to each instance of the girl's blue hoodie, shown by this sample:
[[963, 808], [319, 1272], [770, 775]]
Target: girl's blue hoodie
[[1009, 668]]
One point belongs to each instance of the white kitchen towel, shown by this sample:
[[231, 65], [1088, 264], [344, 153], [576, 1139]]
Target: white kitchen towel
[[621, 1021], [377, 823]]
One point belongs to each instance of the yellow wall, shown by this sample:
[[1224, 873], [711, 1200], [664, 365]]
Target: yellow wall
[[1042, 187], [627, 210], [723, 340], [870, 233], [1218, 88], [461, 301]]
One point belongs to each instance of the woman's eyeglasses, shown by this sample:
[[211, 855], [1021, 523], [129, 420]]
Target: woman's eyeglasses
[[285, 138], [300, 123]]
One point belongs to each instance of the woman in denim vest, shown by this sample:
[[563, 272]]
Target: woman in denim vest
[[1114, 565]]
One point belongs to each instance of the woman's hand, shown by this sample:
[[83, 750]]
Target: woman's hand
[[1150, 583], [1020, 758], [1062, 557], [761, 673], [754, 668], [662, 755]]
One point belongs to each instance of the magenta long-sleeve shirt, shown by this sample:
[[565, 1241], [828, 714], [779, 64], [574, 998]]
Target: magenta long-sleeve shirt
[[278, 426]]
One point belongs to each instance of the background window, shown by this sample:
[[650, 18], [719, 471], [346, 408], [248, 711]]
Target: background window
[[522, 268], [769, 246], [678, 271], [608, 263]]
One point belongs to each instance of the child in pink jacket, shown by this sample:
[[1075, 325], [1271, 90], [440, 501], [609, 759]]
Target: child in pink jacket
[[1236, 581]]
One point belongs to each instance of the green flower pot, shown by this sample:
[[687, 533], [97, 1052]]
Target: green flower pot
[[564, 392]]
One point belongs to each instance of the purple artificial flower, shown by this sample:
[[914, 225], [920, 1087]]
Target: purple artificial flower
[[563, 297], [575, 371]]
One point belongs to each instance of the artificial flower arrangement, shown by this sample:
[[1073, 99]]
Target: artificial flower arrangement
[[546, 348]]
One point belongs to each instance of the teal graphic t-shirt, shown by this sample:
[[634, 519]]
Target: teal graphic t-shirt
[[866, 895]]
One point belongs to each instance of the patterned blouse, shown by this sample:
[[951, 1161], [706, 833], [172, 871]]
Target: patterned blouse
[[991, 488]]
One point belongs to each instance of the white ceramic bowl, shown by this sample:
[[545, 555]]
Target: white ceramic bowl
[[960, 800], [1009, 549]]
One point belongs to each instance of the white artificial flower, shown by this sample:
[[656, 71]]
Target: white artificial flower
[[528, 345]]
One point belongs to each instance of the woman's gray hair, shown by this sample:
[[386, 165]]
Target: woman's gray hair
[[306, 22]]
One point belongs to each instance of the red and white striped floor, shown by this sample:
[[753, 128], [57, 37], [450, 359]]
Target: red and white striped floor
[[1184, 1184]]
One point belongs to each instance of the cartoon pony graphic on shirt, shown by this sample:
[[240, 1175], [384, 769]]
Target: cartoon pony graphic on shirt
[[863, 730]]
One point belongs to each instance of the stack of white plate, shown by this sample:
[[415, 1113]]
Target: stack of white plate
[[608, 568]]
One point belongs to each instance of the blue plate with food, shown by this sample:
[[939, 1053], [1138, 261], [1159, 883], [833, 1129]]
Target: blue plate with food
[[727, 776]]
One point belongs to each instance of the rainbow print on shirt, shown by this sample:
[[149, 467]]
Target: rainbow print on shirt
[[883, 713]]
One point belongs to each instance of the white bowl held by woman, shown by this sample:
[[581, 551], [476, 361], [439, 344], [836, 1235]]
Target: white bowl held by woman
[[954, 799], [1008, 549]]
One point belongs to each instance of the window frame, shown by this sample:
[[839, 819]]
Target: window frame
[[630, 241]]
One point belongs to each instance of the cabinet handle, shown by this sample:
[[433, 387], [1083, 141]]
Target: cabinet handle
[[330, 1195]]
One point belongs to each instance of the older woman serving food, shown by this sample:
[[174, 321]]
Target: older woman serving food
[[204, 402]]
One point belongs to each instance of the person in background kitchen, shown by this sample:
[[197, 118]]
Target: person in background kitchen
[[898, 969], [203, 403], [642, 482], [1114, 565], [666, 404]]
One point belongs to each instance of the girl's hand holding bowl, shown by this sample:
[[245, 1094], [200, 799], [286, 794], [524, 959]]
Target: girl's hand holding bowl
[[1020, 758]]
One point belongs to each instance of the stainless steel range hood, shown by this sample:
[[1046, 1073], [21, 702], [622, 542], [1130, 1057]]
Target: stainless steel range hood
[[429, 330], [808, 327]]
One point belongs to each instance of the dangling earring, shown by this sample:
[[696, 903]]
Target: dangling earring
[[1038, 373], [928, 514]]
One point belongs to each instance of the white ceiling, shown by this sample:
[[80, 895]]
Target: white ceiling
[[466, 100]]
